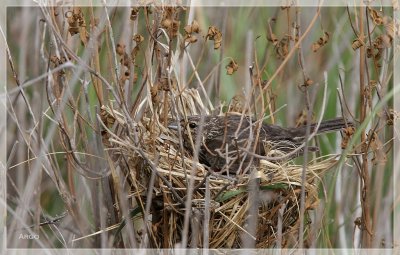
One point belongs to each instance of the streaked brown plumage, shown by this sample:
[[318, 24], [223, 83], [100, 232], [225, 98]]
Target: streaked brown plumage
[[225, 141]]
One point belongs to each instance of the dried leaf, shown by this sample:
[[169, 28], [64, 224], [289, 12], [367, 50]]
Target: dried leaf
[[120, 49], [393, 116], [192, 28], [308, 82], [195, 26], [357, 43], [390, 27], [215, 35], [231, 67], [190, 38], [301, 119], [169, 21], [375, 16], [134, 52], [376, 145], [188, 29], [236, 104], [106, 117], [321, 42], [77, 24], [282, 47], [315, 47], [134, 13], [383, 41], [348, 132], [273, 38], [166, 23], [138, 38], [370, 52], [175, 27], [125, 60]]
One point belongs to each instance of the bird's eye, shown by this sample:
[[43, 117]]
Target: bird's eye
[[192, 125]]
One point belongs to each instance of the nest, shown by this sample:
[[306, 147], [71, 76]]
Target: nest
[[220, 205]]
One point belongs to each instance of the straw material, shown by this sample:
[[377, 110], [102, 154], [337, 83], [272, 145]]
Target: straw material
[[224, 199]]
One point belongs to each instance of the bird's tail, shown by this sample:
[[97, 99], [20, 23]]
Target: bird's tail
[[325, 127]]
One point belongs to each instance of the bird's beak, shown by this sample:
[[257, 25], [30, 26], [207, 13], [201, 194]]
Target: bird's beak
[[173, 126]]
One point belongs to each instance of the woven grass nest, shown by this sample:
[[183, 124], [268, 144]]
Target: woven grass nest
[[152, 149]]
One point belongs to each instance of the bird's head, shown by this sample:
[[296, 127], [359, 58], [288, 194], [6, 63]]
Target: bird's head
[[194, 126]]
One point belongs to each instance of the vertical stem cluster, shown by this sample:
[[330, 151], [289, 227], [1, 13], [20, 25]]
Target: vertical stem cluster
[[364, 185]]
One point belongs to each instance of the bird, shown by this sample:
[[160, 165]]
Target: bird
[[230, 142]]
